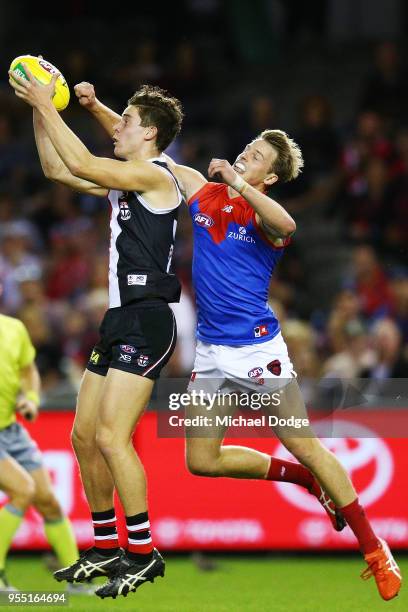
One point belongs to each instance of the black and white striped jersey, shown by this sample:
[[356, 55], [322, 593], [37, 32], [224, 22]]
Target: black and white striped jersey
[[141, 248]]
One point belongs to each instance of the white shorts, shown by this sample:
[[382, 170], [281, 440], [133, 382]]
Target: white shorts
[[257, 367]]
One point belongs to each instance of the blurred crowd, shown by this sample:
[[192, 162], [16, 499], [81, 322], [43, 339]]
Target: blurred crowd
[[54, 242]]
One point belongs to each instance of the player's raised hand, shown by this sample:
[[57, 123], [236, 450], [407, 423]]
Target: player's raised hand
[[222, 170], [27, 408], [34, 93], [85, 92]]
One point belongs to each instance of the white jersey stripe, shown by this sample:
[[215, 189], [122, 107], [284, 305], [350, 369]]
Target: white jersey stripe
[[114, 293], [112, 536], [167, 351]]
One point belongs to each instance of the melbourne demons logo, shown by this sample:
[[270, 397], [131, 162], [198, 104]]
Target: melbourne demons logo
[[203, 220]]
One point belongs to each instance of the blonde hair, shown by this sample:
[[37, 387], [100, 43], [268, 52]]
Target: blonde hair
[[289, 162]]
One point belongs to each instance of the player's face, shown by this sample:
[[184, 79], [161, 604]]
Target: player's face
[[255, 162], [129, 136]]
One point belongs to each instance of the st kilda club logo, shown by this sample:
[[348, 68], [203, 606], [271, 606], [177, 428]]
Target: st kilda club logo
[[125, 213]]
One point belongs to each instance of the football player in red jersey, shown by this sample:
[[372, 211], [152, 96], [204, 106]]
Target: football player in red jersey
[[270, 157]]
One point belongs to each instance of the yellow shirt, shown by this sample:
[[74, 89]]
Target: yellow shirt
[[16, 352]]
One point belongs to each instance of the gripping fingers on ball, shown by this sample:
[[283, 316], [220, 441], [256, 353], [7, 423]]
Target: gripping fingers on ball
[[17, 81], [18, 89], [29, 74]]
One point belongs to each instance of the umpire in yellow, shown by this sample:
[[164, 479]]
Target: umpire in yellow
[[22, 474]]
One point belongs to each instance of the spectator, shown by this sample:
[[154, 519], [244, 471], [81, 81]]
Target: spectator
[[386, 89], [391, 359], [369, 281]]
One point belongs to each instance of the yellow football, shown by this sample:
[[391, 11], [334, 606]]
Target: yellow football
[[43, 71]]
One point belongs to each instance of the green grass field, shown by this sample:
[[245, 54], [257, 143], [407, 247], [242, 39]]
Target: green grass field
[[239, 584]]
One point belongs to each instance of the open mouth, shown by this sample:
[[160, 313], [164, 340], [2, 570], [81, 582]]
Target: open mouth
[[239, 167]]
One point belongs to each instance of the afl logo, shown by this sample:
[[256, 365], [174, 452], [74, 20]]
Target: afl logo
[[127, 348], [203, 220], [48, 67], [255, 372]]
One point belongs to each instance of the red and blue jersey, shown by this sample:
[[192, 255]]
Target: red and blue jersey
[[232, 266]]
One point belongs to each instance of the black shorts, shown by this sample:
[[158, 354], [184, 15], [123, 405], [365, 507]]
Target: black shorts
[[138, 338]]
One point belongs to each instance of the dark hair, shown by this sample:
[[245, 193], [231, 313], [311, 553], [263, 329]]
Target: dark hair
[[157, 108]]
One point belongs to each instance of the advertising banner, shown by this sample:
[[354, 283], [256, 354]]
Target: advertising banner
[[190, 512]]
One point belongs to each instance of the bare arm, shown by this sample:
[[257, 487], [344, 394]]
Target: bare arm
[[53, 166], [85, 93], [189, 180], [276, 221], [29, 399], [135, 175]]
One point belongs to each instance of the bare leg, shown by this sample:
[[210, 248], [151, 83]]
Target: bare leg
[[310, 452], [19, 486], [17, 483], [207, 456], [124, 400], [95, 474]]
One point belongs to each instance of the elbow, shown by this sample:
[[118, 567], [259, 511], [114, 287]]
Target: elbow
[[81, 167], [50, 173], [290, 228], [75, 169], [287, 228]]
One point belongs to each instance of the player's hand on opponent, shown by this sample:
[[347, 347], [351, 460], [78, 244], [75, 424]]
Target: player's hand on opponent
[[85, 92], [221, 170], [34, 93], [27, 408]]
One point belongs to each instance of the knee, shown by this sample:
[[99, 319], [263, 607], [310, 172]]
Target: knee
[[47, 505], [307, 451], [23, 497], [201, 465], [107, 441], [83, 440]]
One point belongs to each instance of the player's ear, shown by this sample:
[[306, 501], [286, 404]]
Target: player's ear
[[270, 179], [150, 132]]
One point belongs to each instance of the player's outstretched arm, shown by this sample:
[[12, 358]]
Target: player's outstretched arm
[[135, 175], [189, 180], [85, 93], [53, 166], [276, 221]]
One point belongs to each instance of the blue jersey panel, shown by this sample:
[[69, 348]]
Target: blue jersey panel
[[232, 267]]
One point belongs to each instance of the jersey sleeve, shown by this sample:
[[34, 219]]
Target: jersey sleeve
[[27, 350]]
